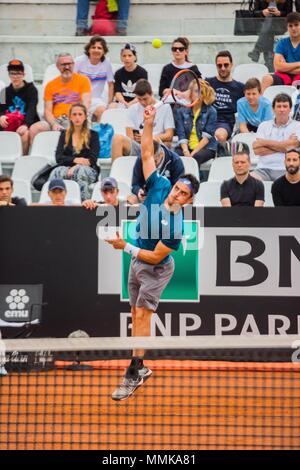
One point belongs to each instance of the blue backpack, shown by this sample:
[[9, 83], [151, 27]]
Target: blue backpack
[[105, 133]]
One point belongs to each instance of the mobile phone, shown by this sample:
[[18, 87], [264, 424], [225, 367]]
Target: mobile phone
[[136, 132]]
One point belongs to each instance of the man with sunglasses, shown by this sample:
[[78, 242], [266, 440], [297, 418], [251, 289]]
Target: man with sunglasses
[[18, 107], [66, 89], [228, 92]]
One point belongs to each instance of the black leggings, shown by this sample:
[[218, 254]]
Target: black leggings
[[202, 156]]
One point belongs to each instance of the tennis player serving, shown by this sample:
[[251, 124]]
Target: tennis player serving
[[159, 230]]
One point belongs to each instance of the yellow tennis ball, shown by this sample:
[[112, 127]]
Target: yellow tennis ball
[[156, 43]]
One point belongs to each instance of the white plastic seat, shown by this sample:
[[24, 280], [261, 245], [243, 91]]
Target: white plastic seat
[[243, 72], [0, 169], [45, 144], [190, 166], [22, 189], [208, 194], [73, 192], [2, 85], [207, 70], [247, 138], [268, 194], [117, 118], [116, 66], [154, 73], [122, 170], [273, 91], [50, 73], [5, 77], [26, 167], [221, 169], [10, 146], [96, 195]]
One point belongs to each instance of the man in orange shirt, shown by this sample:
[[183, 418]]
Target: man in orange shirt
[[66, 89]]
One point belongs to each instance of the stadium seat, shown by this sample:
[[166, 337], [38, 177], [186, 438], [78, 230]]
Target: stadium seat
[[116, 66], [50, 73], [121, 170], [243, 72], [207, 70], [73, 192], [26, 167], [221, 169], [272, 91], [190, 166], [22, 189], [44, 145], [154, 73], [0, 169], [268, 194], [5, 77], [117, 118], [208, 194], [2, 85], [10, 146], [97, 196], [247, 138]]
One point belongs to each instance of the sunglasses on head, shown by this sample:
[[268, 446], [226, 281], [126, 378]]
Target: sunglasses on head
[[220, 66], [180, 49]]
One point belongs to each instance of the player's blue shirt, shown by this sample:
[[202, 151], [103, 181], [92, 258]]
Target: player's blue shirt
[[286, 48], [155, 223], [246, 114]]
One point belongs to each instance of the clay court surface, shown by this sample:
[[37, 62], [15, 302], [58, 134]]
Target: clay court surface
[[190, 405]]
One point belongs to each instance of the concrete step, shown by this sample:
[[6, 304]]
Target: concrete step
[[40, 51], [151, 17]]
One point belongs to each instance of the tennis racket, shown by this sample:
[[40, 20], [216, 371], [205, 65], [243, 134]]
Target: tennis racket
[[185, 90]]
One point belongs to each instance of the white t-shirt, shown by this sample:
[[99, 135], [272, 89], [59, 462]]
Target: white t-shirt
[[163, 119], [270, 131], [98, 74]]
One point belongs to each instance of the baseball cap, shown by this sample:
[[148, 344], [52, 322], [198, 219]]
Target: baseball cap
[[109, 183], [15, 64], [56, 184], [130, 47]]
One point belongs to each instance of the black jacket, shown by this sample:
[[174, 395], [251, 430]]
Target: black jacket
[[28, 96], [284, 8], [65, 155]]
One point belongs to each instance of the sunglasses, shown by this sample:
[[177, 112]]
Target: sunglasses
[[180, 49], [225, 66], [15, 74]]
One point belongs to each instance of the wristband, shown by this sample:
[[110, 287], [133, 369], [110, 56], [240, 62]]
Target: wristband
[[131, 250]]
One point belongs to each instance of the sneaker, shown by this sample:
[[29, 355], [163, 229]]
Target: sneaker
[[254, 55], [145, 373], [127, 387]]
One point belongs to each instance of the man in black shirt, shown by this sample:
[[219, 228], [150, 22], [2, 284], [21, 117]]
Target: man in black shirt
[[286, 189], [6, 191], [242, 189], [228, 92]]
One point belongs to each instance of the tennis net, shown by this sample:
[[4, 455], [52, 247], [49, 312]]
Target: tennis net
[[204, 393]]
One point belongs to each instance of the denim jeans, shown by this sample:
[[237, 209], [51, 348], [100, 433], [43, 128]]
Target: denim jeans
[[123, 13], [82, 13]]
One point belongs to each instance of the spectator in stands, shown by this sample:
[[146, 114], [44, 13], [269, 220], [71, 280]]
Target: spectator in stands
[[77, 152], [127, 77], [60, 94], [180, 51], [83, 6], [242, 189], [57, 192], [273, 13], [109, 192], [168, 164], [196, 126], [286, 189], [274, 139], [20, 98], [97, 68], [287, 56], [163, 124], [228, 92], [123, 13], [253, 108], [6, 193]]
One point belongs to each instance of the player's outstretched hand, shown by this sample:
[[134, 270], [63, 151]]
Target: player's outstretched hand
[[117, 243]]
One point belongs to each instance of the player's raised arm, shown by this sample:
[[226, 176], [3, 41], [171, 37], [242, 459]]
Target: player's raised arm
[[147, 149]]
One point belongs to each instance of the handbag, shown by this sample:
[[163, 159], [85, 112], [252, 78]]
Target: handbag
[[246, 24], [105, 133], [42, 176]]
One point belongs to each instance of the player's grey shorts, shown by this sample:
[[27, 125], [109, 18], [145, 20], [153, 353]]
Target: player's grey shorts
[[146, 282], [268, 175]]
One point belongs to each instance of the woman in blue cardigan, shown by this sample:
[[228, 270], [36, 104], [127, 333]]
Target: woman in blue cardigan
[[196, 126]]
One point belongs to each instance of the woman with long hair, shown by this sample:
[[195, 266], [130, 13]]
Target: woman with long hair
[[196, 126], [180, 51], [95, 65], [77, 151]]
